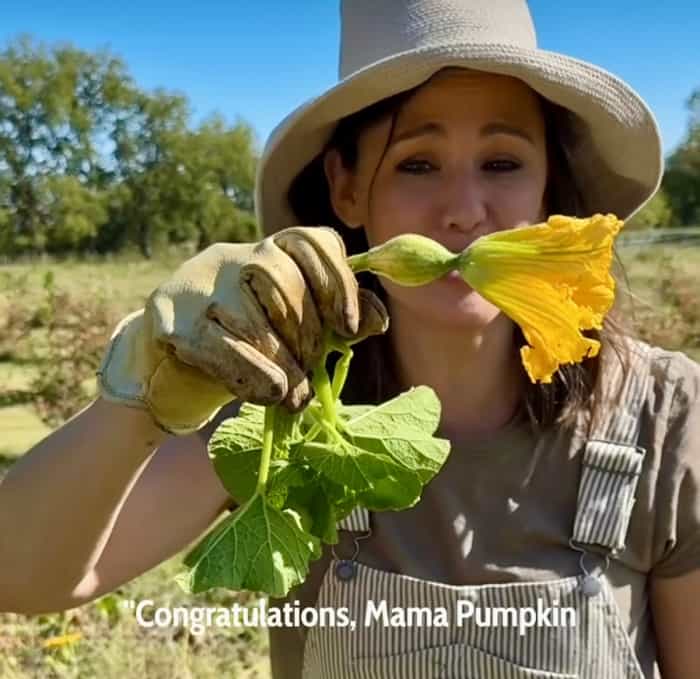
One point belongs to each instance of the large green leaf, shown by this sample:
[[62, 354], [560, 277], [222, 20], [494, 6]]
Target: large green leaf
[[312, 501], [235, 449], [382, 482], [402, 429], [377, 457], [257, 548], [386, 453], [350, 412], [236, 445], [415, 410]]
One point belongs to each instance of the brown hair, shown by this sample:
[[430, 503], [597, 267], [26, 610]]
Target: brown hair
[[373, 376]]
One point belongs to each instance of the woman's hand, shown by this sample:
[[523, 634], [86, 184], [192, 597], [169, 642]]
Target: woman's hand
[[241, 320]]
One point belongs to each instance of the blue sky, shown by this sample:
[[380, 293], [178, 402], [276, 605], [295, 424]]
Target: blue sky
[[259, 60]]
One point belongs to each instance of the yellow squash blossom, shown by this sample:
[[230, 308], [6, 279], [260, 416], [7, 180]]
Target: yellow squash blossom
[[552, 279]]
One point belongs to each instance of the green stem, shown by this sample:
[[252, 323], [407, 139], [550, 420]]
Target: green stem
[[266, 455], [340, 374], [313, 432], [324, 392], [321, 382], [332, 435], [321, 424], [358, 262]]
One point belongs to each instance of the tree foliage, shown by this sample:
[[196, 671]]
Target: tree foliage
[[89, 161], [656, 214], [682, 178]]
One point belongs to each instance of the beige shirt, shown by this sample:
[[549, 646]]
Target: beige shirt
[[498, 513]]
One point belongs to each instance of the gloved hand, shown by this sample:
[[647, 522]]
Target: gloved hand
[[238, 320]]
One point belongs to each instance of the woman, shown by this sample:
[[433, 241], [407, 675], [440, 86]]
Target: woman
[[449, 122]]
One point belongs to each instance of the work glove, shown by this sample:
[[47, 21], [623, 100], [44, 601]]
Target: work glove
[[238, 320]]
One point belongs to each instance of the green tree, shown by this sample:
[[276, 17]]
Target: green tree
[[682, 177], [214, 177], [145, 146], [90, 161], [76, 210], [54, 107], [657, 213], [193, 185]]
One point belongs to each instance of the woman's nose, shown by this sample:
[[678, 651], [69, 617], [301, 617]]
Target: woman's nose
[[464, 206]]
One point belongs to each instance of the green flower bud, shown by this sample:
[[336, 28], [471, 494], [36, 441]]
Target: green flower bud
[[409, 259]]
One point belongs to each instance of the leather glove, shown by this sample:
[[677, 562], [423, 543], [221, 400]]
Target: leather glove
[[238, 320]]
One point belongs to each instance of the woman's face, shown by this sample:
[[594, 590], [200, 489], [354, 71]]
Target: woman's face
[[467, 157]]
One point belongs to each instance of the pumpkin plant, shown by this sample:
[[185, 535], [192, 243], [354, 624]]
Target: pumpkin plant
[[294, 476]]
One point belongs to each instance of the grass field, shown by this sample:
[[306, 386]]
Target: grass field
[[44, 300]]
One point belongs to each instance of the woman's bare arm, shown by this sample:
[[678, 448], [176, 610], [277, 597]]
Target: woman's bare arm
[[675, 604], [98, 502]]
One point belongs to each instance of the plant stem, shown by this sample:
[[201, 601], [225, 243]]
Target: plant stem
[[313, 432], [324, 392], [340, 374], [321, 424], [358, 262], [321, 382], [268, 433]]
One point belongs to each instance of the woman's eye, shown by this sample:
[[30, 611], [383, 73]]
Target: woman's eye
[[416, 166], [502, 166]]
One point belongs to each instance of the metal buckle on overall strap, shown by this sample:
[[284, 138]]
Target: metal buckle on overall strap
[[358, 521], [346, 568], [591, 584]]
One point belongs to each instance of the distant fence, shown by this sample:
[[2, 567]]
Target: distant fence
[[682, 234]]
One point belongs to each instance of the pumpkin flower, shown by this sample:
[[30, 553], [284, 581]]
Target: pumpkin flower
[[553, 280]]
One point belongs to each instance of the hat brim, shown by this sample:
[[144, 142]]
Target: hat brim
[[615, 152]]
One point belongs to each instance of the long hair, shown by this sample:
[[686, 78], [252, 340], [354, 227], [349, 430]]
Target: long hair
[[373, 376]]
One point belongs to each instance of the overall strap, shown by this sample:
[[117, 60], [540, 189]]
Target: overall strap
[[612, 459], [357, 520]]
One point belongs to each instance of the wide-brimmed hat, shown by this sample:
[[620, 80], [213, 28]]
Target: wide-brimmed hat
[[388, 46]]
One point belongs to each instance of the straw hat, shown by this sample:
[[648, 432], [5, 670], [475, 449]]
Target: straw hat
[[388, 46]]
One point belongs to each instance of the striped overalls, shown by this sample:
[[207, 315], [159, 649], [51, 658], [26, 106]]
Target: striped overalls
[[586, 640]]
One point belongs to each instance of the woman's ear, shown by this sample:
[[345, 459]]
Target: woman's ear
[[342, 189]]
